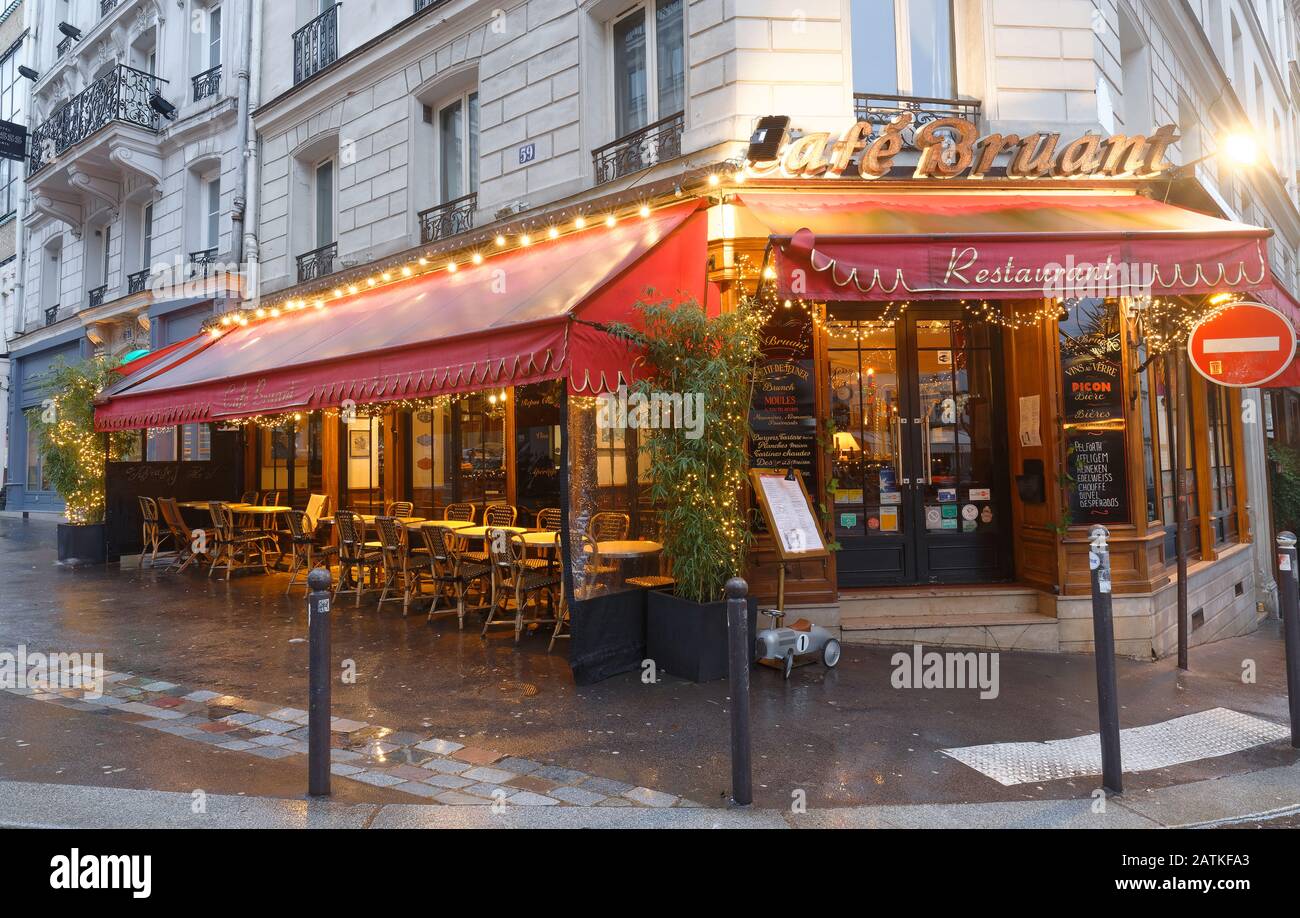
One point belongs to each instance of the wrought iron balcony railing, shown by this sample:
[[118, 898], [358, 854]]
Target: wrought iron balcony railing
[[120, 95], [97, 296], [207, 83], [879, 109], [106, 7], [641, 149], [318, 262], [425, 4], [316, 45], [201, 262], [456, 216], [52, 314], [135, 283]]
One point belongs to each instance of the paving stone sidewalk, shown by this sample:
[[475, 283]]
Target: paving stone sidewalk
[[420, 764]]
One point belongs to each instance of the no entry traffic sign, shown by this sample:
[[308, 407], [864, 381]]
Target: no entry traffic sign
[[1243, 345]]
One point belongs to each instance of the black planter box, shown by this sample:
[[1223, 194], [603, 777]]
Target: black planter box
[[689, 639], [607, 636], [83, 544]]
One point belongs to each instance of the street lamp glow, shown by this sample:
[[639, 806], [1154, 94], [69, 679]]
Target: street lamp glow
[[1240, 149]]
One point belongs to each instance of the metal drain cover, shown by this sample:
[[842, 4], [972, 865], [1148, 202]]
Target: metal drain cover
[[1206, 735]]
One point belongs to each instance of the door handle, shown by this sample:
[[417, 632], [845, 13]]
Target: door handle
[[927, 472]]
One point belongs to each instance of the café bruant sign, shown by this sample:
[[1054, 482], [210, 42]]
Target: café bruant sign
[[952, 148]]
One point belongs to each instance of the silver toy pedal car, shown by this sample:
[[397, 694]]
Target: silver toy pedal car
[[778, 646]]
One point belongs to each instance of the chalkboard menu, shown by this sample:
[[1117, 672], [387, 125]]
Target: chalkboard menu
[[1098, 464], [783, 414], [1093, 391]]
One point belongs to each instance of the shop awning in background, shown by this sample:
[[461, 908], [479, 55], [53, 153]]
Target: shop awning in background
[[1005, 245], [520, 317]]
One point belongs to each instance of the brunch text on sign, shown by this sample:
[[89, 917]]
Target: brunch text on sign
[[952, 147]]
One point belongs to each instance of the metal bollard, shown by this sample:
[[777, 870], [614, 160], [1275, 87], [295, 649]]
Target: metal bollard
[[739, 649], [1103, 640], [1288, 590], [318, 683]]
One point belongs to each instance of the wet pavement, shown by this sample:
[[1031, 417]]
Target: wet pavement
[[843, 737]]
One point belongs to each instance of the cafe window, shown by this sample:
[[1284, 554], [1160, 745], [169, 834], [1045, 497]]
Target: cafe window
[[363, 464], [1223, 487], [430, 441], [1147, 421], [160, 444], [290, 460], [196, 442], [1168, 414], [649, 65], [479, 448], [903, 47], [537, 448]]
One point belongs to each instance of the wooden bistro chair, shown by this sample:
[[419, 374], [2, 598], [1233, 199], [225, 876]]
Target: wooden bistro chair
[[518, 582], [182, 536], [305, 550], [400, 571], [236, 547], [356, 557], [151, 530], [449, 571]]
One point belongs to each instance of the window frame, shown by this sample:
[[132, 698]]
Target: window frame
[[904, 76], [12, 109], [214, 22], [469, 172], [647, 9], [332, 163]]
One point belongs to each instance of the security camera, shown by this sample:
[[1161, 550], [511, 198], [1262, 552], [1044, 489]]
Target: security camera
[[70, 30], [162, 106]]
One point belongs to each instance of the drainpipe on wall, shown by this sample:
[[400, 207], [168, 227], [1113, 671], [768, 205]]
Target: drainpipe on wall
[[250, 81]]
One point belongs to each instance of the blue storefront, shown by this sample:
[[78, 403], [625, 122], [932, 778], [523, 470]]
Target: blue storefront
[[29, 380]]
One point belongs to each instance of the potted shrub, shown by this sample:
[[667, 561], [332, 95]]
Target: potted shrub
[[74, 455], [698, 475]]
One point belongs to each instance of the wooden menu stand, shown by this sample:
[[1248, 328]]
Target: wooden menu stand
[[791, 518]]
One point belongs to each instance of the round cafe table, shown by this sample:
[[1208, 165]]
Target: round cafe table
[[480, 532], [449, 524], [542, 539], [628, 548]]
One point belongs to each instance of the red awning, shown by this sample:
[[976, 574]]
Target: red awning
[[867, 246], [520, 317], [1277, 297]]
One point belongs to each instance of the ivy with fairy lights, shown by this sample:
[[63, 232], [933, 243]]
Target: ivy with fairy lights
[[72, 452]]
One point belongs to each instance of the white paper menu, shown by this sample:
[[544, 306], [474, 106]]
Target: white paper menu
[[792, 518]]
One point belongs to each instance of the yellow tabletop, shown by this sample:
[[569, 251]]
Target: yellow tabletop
[[480, 532], [258, 509], [449, 524], [628, 548], [544, 539]]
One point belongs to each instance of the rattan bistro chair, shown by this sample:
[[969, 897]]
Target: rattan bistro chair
[[447, 570], [518, 582], [550, 519], [464, 513], [399, 509], [355, 557], [151, 530], [191, 544], [399, 569], [609, 526], [235, 547], [305, 550], [500, 515]]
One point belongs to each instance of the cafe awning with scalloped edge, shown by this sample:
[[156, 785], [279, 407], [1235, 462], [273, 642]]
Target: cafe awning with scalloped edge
[[1002, 245], [527, 315]]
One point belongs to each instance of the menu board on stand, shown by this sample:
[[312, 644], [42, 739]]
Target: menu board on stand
[[791, 518], [1093, 412], [783, 419]]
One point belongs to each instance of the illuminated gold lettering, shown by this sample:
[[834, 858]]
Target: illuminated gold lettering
[[947, 147], [1034, 156]]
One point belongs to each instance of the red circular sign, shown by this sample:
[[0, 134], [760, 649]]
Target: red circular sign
[[1243, 345]]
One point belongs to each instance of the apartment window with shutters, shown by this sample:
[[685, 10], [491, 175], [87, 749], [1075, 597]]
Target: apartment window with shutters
[[903, 47], [458, 148], [649, 65]]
